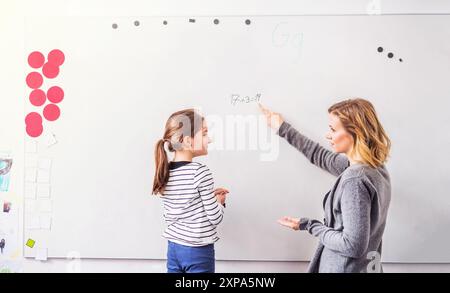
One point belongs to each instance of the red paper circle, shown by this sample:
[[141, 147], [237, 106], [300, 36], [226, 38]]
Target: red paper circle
[[55, 94], [50, 70], [37, 97], [34, 130], [36, 59], [56, 57], [51, 112], [33, 118], [34, 80]]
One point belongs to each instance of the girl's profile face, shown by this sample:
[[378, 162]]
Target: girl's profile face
[[341, 141], [201, 141]]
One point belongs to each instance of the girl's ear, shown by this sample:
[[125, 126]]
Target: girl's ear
[[187, 142]]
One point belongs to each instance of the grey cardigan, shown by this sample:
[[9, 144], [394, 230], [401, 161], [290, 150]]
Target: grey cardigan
[[355, 210]]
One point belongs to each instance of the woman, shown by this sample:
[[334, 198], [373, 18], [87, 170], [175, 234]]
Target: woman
[[357, 204]]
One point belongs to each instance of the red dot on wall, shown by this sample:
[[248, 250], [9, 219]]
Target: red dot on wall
[[35, 129], [55, 94], [37, 97], [36, 59], [56, 57], [33, 118], [51, 112], [34, 80], [50, 70]]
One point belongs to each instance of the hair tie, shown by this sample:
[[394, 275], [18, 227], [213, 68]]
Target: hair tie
[[167, 145]]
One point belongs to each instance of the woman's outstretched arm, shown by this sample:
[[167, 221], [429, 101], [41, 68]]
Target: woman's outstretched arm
[[318, 155]]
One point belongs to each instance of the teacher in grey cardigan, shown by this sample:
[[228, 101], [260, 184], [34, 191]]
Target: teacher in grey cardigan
[[357, 204]]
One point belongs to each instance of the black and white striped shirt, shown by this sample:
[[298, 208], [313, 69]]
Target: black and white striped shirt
[[191, 210]]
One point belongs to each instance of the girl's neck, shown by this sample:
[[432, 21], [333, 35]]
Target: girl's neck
[[183, 156]]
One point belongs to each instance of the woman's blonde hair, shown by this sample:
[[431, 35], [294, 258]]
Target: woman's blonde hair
[[359, 118], [179, 125]]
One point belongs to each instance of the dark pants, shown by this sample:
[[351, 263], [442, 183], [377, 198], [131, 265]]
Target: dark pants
[[187, 259]]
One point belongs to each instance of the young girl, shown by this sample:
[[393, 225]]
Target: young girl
[[192, 207]]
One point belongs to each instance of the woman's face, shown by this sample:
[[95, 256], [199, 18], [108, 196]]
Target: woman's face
[[341, 141]]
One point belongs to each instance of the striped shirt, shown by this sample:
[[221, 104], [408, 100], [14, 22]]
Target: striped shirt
[[191, 210]]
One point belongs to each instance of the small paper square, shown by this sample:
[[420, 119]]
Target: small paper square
[[41, 254], [43, 176], [45, 163], [30, 146], [33, 222], [30, 206], [30, 190], [30, 174], [51, 139], [43, 190], [31, 161], [30, 243], [45, 205], [46, 222]]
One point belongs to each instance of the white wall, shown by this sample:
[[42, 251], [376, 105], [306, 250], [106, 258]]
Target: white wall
[[12, 74]]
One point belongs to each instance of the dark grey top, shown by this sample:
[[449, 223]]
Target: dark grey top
[[355, 210]]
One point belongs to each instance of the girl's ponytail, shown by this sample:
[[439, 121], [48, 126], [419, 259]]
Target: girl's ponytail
[[180, 124], [162, 168]]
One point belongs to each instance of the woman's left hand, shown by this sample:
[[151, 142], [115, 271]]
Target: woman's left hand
[[289, 222]]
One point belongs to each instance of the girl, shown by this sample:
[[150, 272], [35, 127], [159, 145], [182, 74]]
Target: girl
[[192, 207], [356, 206]]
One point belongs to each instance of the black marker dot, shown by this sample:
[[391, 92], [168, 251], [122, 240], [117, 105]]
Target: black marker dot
[[248, 22], [401, 60], [192, 20], [390, 55], [114, 25], [216, 21], [165, 22], [136, 23], [380, 49]]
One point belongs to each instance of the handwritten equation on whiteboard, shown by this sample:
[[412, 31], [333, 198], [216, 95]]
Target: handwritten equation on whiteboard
[[239, 99]]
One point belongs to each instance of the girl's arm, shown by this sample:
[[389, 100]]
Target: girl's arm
[[204, 182], [321, 157]]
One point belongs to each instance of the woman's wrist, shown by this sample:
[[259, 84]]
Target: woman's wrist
[[304, 224], [282, 129]]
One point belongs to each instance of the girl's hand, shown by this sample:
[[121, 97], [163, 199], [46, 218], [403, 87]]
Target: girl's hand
[[289, 222], [221, 195], [274, 120]]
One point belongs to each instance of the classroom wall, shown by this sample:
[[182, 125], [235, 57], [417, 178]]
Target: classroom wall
[[11, 79]]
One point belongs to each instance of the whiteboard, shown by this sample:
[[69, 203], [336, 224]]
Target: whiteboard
[[122, 83]]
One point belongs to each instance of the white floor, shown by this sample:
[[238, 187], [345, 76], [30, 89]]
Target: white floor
[[157, 266]]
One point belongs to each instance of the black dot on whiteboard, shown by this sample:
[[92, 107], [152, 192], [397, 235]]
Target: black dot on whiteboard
[[216, 21], [248, 22], [165, 22], [137, 23], [380, 49], [114, 25], [390, 55], [401, 60]]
